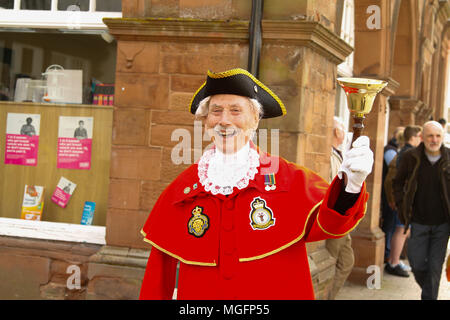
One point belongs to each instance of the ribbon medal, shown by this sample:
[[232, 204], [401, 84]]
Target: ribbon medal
[[269, 181]]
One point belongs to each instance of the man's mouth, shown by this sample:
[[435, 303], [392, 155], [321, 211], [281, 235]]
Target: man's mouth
[[226, 133]]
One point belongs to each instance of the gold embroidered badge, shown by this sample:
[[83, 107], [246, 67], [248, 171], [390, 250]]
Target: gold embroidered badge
[[261, 215], [198, 223]]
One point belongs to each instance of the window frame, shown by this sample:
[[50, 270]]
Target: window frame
[[55, 19]]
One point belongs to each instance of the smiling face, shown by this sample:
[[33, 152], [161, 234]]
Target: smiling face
[[231, 121]]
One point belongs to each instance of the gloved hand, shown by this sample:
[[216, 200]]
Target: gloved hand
[[357, 164]]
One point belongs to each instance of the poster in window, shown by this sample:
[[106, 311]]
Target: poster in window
[[63, 192], [75, 142], [22, 138]]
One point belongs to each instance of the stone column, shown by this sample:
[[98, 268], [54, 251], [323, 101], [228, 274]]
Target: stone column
[[403, 112]]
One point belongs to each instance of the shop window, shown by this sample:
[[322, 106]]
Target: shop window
[[26, 56], [36, 45]]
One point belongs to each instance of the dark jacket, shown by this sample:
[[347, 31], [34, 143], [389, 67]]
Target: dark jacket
[[405, 182]]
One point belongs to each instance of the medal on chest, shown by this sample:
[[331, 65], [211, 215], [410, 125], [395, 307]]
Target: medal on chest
[[198, 223], [261, 216], [269, 181]]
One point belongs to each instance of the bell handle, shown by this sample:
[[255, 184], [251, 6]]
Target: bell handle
[[358, 126]]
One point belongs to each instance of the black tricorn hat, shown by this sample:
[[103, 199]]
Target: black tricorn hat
[[242, 83]]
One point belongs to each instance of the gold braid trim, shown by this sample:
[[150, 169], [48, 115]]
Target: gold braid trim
[[348, 231], [234, 72], [213, 264], [286, 245]]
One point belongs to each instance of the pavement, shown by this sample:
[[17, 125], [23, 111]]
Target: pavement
[[392, 288]]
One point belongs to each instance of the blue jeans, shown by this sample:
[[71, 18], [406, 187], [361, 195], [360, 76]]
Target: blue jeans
[[427, 248], [390, 223]]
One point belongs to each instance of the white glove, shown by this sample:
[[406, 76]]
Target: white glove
[[357, 164]]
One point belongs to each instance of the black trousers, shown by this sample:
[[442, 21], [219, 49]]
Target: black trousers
[[427, 248]]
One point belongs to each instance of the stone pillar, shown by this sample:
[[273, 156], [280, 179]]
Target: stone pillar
[[402, 112]]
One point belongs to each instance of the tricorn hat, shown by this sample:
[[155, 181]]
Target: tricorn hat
[[242, 83]]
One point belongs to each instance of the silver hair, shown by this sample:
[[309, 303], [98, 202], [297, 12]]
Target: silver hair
[[338, 123], [435, 124], [203, 108]]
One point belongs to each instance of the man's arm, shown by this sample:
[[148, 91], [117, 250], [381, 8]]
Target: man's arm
[[345, 201], [159, 278], [398, 184]]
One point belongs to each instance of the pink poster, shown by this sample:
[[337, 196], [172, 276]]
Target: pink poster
[[75, 142], [22, 139], [63, 192]]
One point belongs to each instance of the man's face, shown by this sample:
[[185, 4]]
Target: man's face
[[432, 138], [230, 121], [340, 135], [416, 140]]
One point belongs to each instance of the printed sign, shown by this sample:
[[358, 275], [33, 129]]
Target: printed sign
[[63, 192], [22, 139], [33, 203], [88, 213], [75, 142]]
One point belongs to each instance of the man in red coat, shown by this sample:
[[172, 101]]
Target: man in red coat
[[238, 220]]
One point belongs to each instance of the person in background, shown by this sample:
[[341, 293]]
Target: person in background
[[387, 213], [412, 136], [340, 249], [443, 122], [421, 190]]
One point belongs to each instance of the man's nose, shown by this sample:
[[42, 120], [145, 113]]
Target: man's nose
[[225, 119]]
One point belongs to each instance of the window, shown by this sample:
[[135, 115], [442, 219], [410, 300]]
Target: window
[[62, 14], [27, 55], [345, 69], [34, 35]]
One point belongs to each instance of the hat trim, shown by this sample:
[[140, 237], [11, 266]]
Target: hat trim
[[236, 71], [195, 94], [233, 72]]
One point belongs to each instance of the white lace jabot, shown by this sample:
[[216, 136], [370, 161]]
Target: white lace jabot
[[220, 173]]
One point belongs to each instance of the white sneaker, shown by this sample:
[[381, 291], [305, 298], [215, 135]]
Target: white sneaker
[[404, 266]]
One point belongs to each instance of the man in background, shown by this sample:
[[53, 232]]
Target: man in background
[[388, 224], [412, 137], [340, 249], [421, 189]]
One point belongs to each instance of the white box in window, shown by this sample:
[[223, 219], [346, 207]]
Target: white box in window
[[64, 86]]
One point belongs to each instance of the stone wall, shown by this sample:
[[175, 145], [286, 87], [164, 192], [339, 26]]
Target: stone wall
[[38, 269]]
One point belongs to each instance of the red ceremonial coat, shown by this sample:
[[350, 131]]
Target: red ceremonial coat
[[248, 245]]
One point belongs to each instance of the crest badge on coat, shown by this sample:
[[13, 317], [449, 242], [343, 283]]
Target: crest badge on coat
[[261, 216], [198, 223]]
